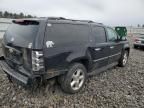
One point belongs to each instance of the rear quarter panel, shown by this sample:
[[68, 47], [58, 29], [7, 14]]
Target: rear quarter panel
[[60, 55]]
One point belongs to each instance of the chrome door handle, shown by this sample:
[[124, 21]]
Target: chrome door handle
[[111, 47], [97, 49]]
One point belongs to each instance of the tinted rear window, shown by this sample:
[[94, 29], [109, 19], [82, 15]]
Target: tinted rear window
[[67, 33], [21, 34]]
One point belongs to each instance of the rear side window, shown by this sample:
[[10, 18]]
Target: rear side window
[[99, 34], [67, 33]]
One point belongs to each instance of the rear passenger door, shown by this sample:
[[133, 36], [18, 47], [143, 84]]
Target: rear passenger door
[[100, 49], [115, 45]]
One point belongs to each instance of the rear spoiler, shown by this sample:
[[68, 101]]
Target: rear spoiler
[[25, 22]]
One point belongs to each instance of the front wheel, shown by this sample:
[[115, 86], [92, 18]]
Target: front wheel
[[74, 79], [123, 59]]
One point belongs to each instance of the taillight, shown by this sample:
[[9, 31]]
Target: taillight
[[37, 61], [136, 39]]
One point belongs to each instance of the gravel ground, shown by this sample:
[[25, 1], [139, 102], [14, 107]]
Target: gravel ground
[[115, 88]]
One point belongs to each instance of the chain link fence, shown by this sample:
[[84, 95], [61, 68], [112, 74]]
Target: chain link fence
[[4, 23]]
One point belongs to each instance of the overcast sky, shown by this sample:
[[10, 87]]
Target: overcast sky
[[109, 12]]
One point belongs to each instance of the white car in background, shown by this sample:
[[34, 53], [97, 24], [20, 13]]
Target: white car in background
[[139, 41]]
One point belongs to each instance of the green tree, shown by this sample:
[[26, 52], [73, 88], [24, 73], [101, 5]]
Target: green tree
[[138, 25], [29, 16], [14, 15], [10, 15], [6, 14], [1, 14], [21, 15]]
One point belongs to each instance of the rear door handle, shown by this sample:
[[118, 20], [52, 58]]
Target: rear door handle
[[97, 49], [111, 47]]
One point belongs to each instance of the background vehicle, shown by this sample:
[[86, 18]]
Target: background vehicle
[[139, 41], [39, 49]]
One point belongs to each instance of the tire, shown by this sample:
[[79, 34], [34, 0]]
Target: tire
[[123, 59], [73, 81], [9, 78], [135, 46]]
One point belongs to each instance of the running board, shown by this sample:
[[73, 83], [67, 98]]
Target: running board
[[97, 71]]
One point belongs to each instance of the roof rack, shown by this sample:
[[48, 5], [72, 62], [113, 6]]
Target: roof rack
[[62, 18], [89, 21], [100, 23], [56, 18]]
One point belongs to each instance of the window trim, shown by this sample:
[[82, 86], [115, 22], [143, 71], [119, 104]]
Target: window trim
[[106, 39], [108, 35]]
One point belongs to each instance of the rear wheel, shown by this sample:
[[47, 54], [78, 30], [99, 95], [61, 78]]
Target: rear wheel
[[123, 59], [74, 79], [135, 46]]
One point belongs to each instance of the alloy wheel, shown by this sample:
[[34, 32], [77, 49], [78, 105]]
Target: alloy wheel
[[125, 59], [77, 79]]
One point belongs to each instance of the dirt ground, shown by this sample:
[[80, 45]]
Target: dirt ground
[[115, 88]]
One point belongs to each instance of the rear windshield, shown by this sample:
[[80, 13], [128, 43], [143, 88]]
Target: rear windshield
[[21, 34]]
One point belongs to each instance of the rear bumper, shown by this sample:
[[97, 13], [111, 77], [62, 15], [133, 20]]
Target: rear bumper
[[25, 78], [20, 77]]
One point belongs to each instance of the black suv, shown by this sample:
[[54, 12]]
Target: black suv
[[70, 50]]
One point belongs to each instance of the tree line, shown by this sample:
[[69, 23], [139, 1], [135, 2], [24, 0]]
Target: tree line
[[140, 25], [7, 14]]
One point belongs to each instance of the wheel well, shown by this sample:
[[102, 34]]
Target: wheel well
[[85, 62], [128, 50]]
